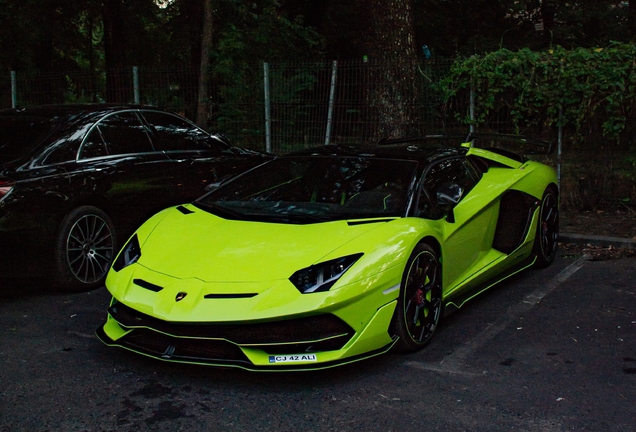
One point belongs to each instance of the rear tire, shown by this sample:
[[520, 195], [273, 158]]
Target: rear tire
[[84, 249], [419, 306], [547, 238]]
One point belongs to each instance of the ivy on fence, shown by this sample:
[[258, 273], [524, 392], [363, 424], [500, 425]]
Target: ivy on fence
[[592, 91]]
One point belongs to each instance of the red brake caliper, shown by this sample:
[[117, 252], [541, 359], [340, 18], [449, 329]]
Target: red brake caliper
[[418, 298]]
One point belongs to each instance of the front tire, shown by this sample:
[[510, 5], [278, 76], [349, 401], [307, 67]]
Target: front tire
[[419, 306], [547, 238], [84, 250]]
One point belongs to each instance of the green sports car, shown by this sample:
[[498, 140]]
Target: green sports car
[[330, 255]]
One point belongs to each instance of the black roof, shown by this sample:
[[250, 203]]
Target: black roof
[[60, 109], [69, 115], [421, 152]]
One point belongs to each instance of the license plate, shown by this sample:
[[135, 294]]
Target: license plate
[[296, 358]]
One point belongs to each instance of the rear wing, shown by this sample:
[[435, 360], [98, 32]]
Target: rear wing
[[528, 145], [524, 141], [415, 139]]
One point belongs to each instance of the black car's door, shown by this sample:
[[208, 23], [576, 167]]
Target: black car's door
[[198, 158], [118, 163]]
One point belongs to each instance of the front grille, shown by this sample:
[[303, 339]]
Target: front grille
[[171, 348], [325, 345], [325, 329]]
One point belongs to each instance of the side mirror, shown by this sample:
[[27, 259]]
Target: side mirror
[[449, 195], [222, 138], [212, 186]]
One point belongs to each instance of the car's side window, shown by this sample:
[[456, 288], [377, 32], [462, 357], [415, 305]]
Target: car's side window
[[94, 145], [65, 144], [62, 151], [175, 134], [455, 171], [120, 133]]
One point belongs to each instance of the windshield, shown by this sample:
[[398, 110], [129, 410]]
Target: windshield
[[21, 135], [314, 188]]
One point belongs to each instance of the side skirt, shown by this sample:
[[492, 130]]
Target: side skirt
[[454, 303]]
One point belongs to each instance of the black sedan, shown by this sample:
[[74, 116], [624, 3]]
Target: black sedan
[[76, 180]]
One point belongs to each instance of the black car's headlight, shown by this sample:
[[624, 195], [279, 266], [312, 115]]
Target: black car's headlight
[[129, 254], [321, 277]]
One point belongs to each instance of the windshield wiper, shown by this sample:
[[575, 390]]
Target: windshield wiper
[[308, 217], [220, 211]]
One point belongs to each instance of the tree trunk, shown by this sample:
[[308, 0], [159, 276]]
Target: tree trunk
[[390, 49], [203, 106]]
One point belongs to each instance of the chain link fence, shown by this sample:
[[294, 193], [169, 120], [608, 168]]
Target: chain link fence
[[282, 107], [278, 107]]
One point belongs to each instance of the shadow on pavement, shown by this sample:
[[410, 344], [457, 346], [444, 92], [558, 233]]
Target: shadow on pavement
[[15, 288]]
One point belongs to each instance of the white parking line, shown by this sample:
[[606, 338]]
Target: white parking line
[[454, 363]]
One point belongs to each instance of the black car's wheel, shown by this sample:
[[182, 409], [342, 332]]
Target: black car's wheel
[[85, 249], [419, 306], [547, 238]]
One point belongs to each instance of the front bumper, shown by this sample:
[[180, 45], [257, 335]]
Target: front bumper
[[307, 343]]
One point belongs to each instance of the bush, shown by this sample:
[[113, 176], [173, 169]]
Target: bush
[[590, 92]]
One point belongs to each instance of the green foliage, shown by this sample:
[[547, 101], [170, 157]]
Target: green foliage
[[591, 90], [248, 31], [255, 33], [75, 89], [468, 26], [465, 27], [589, 23]]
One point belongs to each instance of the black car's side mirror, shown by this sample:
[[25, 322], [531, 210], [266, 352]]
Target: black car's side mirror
[[449, 195], [212, 186]]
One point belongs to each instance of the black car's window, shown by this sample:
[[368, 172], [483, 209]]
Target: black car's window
[[175, 134], [121, 133], [315, 188], [94, 145], [63, 149], [21, 135], [450, 171]]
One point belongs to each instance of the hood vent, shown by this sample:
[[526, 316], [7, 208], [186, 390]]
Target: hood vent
[[184, 210], [229, 296], [149, 286]]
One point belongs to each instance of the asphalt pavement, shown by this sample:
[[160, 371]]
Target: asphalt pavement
[[547, 350]]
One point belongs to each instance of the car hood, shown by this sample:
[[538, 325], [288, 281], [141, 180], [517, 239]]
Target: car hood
[[192, 243]]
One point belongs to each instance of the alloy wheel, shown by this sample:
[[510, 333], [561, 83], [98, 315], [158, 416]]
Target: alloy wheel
[[89, 248]]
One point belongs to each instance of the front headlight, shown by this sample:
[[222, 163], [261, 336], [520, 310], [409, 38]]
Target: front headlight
[[321, 277], [129, 254]]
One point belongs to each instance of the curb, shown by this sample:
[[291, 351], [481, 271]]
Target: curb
[[602, 241]]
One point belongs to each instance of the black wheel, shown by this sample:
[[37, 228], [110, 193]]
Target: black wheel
[[419, 306], [547, 238], [85, 248]]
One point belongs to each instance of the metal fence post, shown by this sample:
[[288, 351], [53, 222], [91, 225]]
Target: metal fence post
[[268, 132], [135, 71], [471, 109], [14, 90], [559, 148], [332, 94]]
